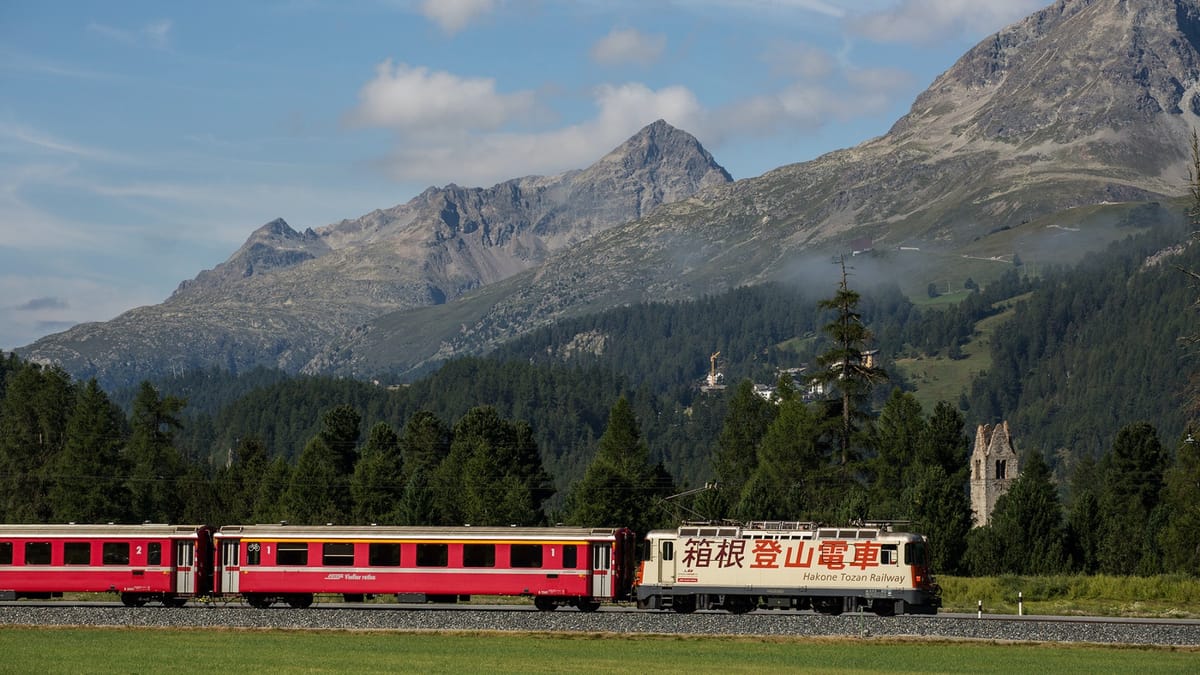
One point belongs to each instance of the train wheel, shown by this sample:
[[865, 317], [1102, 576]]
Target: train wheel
[[130, 600], [544, 604], [300, 601], [739, 604], [884, 607], [683, 604], [588, 605], [830, 606], [257, 601]]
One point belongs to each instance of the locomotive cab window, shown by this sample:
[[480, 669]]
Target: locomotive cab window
[[914, 554], [525, 555], [433, 555], [383, 555], [77, 553], [479, 555], [337, 554], [291, 553], [889, 554], [37, 553], [116, 553], [6, 549], [668, 550]]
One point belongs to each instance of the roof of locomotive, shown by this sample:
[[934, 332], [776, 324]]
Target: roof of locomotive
[[777, 529], [98, 530], [287, 531]]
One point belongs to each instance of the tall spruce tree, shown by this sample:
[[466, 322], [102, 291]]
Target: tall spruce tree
[[87, 478], [156, 467], [792, 478], [1180, 537], [1132, 482], [621, 486], [736, 458], [313, 493], [33, 422], [847, 370], [378, 482]]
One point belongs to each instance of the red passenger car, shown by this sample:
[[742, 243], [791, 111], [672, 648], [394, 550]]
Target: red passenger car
[[554, 565], [164, 563]]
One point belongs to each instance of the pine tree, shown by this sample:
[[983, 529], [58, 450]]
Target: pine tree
[[1180, 537], [847, 369], [33, 419], [621, 486], [378, 482], [899, 433], [155, 465], [87, 477], [1132, 482], [737, 447], [791, 479], [313, 495]]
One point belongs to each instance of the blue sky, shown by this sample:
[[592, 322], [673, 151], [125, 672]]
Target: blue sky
[[142, 142]]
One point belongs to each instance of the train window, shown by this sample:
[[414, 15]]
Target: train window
[[914, 553], [601, 557], [668, 550], [337, 554], [525, 555], [570, 557], [383, 555], [479, 555], [888, 554], [291, 553], [433, 555], [116, 553], [154, 553], [254, 553], [6, 550], [77, 553], [37, 553]]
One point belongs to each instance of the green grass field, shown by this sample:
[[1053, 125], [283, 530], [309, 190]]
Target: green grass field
[[87, 650]]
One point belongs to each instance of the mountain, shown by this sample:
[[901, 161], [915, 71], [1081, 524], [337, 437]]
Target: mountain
[[284, 296], [1021, 148]]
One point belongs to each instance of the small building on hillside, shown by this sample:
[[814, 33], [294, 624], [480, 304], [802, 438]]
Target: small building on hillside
[[994, 466]]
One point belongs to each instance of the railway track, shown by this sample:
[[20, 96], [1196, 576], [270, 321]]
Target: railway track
[[621, 620]]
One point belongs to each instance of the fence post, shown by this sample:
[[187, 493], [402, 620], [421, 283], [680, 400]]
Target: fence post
[[1020, 603], [980, 614]]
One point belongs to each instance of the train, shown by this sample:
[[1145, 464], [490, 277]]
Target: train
[[731, 567]]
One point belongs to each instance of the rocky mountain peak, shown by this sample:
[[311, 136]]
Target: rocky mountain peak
[[1067, 74]]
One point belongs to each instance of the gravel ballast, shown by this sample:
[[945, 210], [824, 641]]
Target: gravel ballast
[[862, 626]]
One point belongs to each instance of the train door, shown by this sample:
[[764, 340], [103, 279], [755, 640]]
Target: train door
[[230, 565], [666, 561], [601, 568], [185, 560]]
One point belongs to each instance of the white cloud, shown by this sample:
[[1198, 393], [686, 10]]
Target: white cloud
[[454, 15], [414, 100], [628, 46], [928, 21], [484, 159], [799, 60]]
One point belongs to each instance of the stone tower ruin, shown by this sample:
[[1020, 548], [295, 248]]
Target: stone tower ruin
[[994, 466]]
